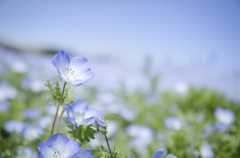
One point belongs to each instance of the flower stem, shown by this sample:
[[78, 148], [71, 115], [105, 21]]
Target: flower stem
[[58, 108], [108, 145], [59, 118]]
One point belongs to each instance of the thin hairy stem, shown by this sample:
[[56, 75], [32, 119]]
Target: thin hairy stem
[[108, 145], [59, 117], [60, 102]]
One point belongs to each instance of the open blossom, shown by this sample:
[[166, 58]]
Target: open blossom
[[78, 113], [76, 71], [59, 146]]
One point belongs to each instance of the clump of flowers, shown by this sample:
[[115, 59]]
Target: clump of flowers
[[84, 122]]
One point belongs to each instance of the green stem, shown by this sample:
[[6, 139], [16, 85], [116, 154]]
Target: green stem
[[108, 145], [59, 118], [58, 108]]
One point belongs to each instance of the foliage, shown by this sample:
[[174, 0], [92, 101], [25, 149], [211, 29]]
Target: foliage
[[82, 134]]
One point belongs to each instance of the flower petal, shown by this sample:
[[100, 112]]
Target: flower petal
[[71, 148], [99, 123], [83, 153], [58, 141], [61, 61], [87, 121], [45, 150], [79, 106], [82, 78], [79, 65], [93, 112], [130, 156], [158, 154]]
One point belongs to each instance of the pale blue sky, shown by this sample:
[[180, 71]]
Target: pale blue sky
[[125, 27]]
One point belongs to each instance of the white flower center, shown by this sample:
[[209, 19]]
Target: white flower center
[[69, 75], [58, 154], [78, 117]]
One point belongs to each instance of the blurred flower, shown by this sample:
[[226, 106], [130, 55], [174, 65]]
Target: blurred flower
[[19, 66], [225, 118], [207, 129], [160, 154], [35, 85], [4, 106], [51, 109], [78, 113], [126, 113], [143, 135], [26, 152], [221, 126], [112, 127], [172, 123], [7, 91], [76, 71], [206, 151], [45, 121], [181, 88], [130, 156], [151, 99], [14, 126], [58, 145], [32, 113], [173, 108], [32, 132]]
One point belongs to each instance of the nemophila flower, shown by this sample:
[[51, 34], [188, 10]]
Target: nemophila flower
[[160, 154], [78, 113], [59, 146], [32, 113], [32, 132], [112, 128], [45, 121], [7, 91], [76, 71], [172, 123], [4, 106], [14, 126], [130, 156], [26, 152], [206, 151], [142, 135], [225, 118]]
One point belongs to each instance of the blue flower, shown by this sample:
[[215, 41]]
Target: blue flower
[[172, 123], [142, 136], [27, 152], [160, 154], [76, 71], [14, 126], [206, 151], [58, 145], [225, 118], [4, 106], [7, 91], [78, 113], [130, 156], [32, 132], [45, 121], [32, 113]]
